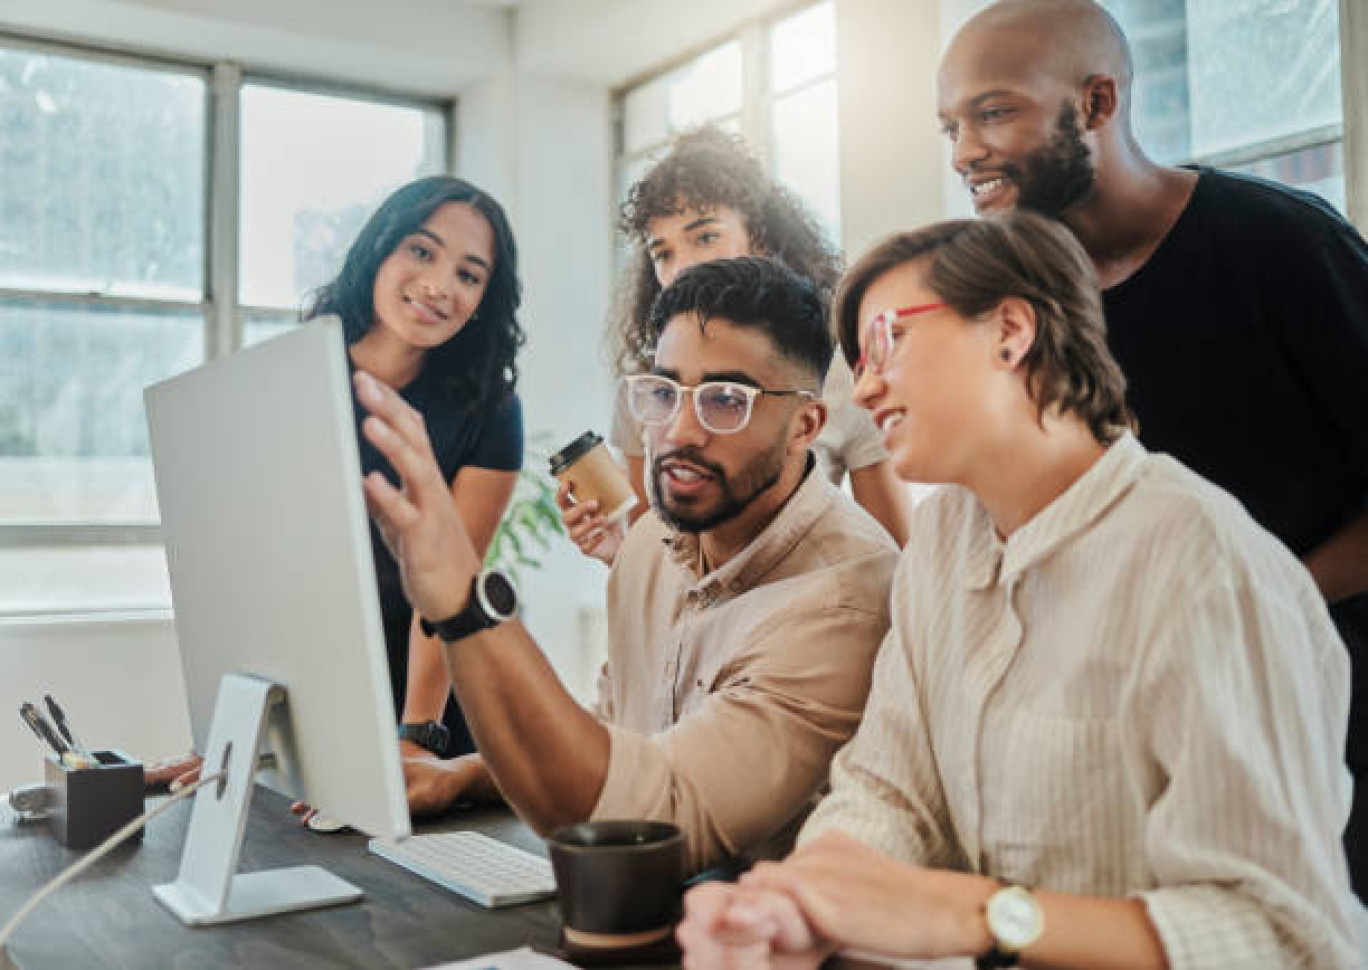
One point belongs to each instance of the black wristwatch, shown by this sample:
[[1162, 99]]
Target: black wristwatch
[[431, 735], [493, 599]]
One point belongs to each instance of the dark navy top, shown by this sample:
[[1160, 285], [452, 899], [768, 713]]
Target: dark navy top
[[1244, 340], [461, 437]]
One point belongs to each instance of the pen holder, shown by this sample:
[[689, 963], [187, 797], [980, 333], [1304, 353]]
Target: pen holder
[[90, 804]]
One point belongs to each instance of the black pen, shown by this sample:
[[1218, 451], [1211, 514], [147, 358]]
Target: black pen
[[64, 728], [35, 720]]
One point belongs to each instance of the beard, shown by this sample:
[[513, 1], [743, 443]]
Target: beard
[[757, 477], [1058, 174]]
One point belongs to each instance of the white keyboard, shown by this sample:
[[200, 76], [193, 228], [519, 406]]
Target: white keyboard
[[485, 870]]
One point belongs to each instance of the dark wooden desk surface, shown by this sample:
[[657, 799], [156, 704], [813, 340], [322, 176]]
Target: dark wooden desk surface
[[108, 917]]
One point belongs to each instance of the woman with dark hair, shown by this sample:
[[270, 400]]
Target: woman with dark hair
[[428, 297], [709, 198], [1107, 726]]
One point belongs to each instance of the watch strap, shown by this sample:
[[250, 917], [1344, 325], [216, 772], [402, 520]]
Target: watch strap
[[997, 957], [430, 735], [471, 619]]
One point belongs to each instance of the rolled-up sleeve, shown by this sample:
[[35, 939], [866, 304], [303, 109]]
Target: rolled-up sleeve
[[746, 763], [1242, 705]]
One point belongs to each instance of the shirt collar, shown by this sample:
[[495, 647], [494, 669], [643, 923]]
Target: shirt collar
[[744, 570], [990, 560]]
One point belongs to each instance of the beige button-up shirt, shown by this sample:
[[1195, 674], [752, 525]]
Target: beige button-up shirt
[[727, 694], [1140, 693], [848, 441]]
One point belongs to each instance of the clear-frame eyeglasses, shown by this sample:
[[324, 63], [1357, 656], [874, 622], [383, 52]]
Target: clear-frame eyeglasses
[[722, 407]]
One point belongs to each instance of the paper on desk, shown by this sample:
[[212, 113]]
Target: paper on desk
[[523, 958]]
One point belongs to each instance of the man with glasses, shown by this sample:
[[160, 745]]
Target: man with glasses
[[744, 609]]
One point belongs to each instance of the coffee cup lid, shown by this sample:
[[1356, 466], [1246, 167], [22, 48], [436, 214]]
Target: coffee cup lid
[[572, 452]]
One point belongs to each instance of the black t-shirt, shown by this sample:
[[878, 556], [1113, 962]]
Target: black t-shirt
[[461, 438], [1244, 340]]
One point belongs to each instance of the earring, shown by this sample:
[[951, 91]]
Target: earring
[[1007, 355]]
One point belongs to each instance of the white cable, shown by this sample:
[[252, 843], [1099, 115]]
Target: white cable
[[96, 854]]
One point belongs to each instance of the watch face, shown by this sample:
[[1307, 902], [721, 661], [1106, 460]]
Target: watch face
[[1014, 917], [500, 598]]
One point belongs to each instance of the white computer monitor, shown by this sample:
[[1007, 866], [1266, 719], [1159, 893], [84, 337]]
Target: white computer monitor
[[272, 579]]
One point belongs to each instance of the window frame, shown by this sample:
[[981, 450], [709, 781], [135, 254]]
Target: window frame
[[305, 84], [1263, 151], [1351, 133], [1353, 32], [222, 317]]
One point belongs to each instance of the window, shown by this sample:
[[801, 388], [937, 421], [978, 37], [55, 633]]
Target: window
[[1247, 85], [706, 88], [101, 277], [804, 134], [314, 167], [789, 119], [108, 270]]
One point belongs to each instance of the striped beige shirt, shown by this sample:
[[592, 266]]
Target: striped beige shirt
[[727, 694], [1139, 693]]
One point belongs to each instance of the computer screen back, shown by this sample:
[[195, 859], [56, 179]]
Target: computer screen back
[[268, 548]]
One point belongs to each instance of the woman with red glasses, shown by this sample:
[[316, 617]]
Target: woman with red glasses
[[1107, 726]]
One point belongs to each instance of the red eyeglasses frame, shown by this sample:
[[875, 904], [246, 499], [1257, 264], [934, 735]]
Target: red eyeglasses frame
[[879, 337]]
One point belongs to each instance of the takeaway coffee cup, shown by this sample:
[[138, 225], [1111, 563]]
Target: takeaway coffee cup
[[594, 475], [618, 882]]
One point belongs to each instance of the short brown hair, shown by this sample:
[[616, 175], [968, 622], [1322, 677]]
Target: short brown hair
[[975, 264]]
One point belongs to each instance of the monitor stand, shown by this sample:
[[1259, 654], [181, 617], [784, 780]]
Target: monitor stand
[[209, 890]]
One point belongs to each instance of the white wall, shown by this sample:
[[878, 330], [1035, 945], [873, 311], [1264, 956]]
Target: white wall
[[609, 42], [486, 136], [892, 165], [953, 15], [563, 212], [428, 47], [117, 678]]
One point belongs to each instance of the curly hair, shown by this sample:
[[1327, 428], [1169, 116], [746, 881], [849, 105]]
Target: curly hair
[[478, 365], [975, 264], [705, 168]]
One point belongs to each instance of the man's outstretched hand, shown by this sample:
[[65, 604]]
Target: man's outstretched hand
[[418, 520]]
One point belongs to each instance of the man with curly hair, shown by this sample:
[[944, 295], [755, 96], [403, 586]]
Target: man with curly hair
[[709, 198]]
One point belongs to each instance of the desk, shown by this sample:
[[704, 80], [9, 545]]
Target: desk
[[108, 917]]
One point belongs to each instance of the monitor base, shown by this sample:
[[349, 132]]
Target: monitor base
[[257, 894], [208, 889]]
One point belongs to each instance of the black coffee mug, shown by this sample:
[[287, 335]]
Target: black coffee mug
[[619, 882]]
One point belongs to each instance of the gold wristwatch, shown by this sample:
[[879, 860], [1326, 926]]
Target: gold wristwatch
[[1015, 921]]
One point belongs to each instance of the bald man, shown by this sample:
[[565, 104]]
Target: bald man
[[1237, 308]]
